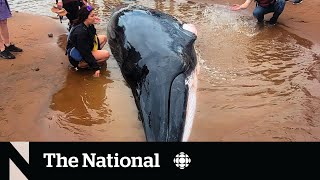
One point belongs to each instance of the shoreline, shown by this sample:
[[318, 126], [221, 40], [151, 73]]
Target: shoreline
[[25, 91]]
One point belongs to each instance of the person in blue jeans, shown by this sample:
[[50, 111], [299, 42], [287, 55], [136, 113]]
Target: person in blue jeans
[[264, 7]]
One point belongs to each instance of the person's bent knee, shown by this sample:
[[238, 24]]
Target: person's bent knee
[[106, 55], [105, 38], [280, 4], [257, 13], [281, 1]]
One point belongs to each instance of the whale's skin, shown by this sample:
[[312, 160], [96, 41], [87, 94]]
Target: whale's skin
[[157, 58]]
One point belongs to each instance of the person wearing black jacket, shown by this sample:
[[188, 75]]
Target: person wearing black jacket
[[86, 43]]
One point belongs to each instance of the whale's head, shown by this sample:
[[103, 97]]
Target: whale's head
[[157, 58]]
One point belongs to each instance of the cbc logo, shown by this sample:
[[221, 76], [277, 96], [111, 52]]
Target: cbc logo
[[182, 160]]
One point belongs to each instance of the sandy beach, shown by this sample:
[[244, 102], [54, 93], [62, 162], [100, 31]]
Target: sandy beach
[[28, 82]]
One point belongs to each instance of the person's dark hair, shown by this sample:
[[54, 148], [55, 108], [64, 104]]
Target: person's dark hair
[[83, 14]]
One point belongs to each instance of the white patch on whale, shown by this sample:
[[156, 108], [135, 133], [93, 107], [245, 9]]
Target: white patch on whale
[[192, 82], [190, 27]]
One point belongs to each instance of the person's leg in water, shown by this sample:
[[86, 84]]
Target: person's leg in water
[[101, 57], [5, 46], [259, 12], [278, 9]]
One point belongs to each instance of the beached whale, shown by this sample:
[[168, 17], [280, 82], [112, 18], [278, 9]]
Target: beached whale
[[156, 55]]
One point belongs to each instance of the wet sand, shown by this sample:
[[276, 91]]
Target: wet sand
[[28, 83], [299, 19], [238, 120]]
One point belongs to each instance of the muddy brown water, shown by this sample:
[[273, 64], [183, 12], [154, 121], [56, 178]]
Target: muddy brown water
[[256, 83]]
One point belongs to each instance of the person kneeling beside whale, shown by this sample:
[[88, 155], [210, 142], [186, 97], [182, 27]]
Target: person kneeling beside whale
[[84, 45]]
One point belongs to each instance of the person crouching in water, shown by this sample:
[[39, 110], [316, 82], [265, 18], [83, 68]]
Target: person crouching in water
[[84, 45], [264, 7]]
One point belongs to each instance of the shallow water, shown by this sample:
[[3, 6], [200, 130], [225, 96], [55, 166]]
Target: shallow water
[[255, 83]]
